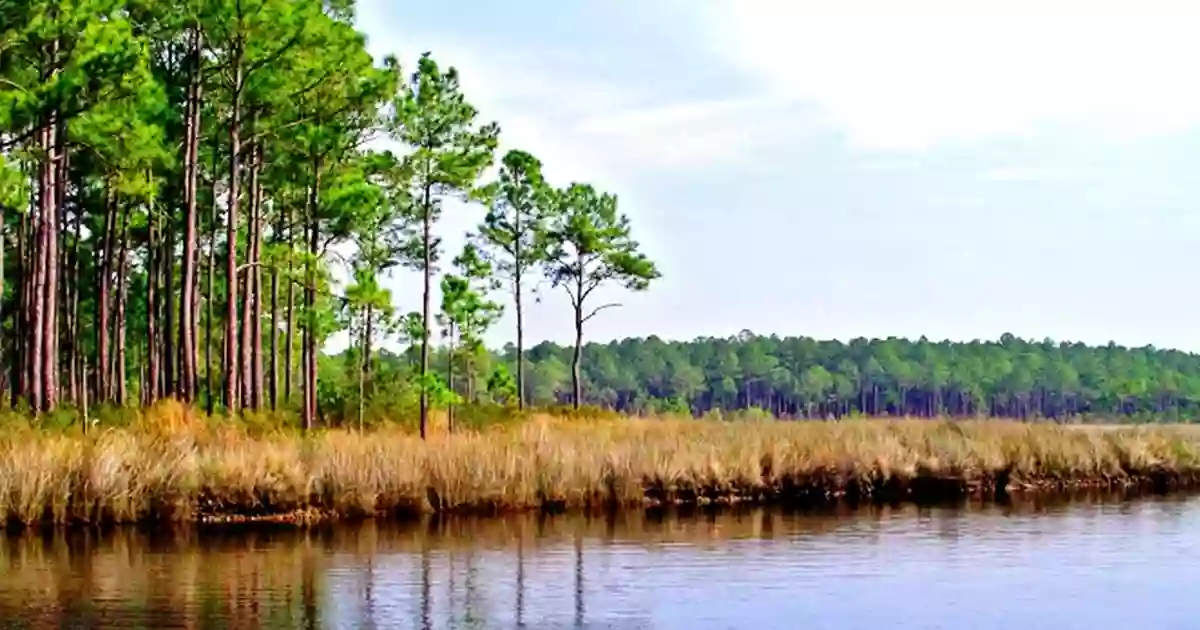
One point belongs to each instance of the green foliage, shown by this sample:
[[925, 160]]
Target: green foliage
[[800, 376], [591, 244], [225, 145], [14, 189], [447, 151], [514, 229], [466, 311], [501, 385], [481, 416]]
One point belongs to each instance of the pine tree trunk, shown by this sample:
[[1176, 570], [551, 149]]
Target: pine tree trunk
[[122, 291], [244, 386], [169, 363], [450, 382], [57, 190], [426, 301], [157, 276], [62, 156], [231, 279], [37, 316], [290, 333], [305, 412], [520, 335], [104, 261], [150, 395], [208, 302], [310, 302], [83, 372], [256, 342], [189, 275], [577, 358], [368, 347], [362, 377], [470, 375], [140, 365], [273, 368], [63, 298], [246, 339], [76, 372], [27, 293]]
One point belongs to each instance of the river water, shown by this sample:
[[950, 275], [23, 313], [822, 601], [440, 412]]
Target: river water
[[1116, 564]]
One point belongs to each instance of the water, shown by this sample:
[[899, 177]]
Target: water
[[1097, 565]]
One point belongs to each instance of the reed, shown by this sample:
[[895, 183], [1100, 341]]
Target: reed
[[173, 466]]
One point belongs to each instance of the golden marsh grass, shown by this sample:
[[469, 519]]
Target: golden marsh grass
[[183, 469]]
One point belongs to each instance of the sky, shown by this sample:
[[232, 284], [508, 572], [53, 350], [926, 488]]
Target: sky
[[950, 169]]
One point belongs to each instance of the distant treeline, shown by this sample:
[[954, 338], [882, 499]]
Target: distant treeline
[[805, 377]]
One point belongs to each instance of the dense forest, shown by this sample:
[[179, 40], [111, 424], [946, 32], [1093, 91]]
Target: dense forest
[[180, 184], [182, 187], [804, 377]]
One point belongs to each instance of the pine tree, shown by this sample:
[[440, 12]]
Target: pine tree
[[514, 234], [590, 245], [448, 152]]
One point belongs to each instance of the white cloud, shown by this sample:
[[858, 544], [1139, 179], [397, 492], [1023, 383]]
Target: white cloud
[[523, 101], [908, 75], [558, 115], [589, 128]]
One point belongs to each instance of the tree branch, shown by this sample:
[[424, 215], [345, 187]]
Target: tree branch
[[273, 131], [592, 284], [596, 310], [248, 265], [273, 56]]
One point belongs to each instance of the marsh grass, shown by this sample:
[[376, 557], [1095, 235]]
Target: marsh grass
[[169, 464]]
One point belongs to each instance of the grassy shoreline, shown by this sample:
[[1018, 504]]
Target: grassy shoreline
[[186, 471]]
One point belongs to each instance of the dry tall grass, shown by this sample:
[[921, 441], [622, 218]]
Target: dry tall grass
[[176, 467]]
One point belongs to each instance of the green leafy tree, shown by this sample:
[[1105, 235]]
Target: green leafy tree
[[370, 307], [448, 152], [514, 231], [590, 244], [467, 313], [501, 386], [816, 384]]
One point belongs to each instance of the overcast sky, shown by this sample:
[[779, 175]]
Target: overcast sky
[[840, 169]]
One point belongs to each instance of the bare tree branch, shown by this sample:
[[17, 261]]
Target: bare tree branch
[[248, 265], [597, 310]]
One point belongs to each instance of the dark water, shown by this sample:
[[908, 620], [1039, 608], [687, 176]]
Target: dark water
[[1096, 565]]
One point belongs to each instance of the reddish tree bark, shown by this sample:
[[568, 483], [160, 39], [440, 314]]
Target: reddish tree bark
[[212, 294], [37, 305], [151, 394], [256, 359], [119, 369], [168, 363], [231, 279], [103, 304], [310, 302], [290, 334], [189, 307], [77, 382], [249, 290], [274, 366]]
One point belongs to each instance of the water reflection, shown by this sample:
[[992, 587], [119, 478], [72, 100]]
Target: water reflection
[[985, 567]]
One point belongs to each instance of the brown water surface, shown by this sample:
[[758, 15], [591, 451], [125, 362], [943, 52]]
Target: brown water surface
[[1117, 564]]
